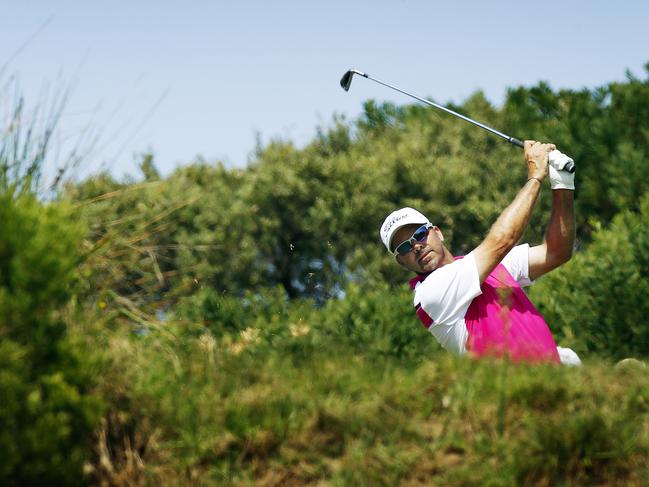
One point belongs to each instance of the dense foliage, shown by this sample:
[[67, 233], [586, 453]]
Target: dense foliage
[[307, 219], [600, 297], [235, 325], [47, 416]]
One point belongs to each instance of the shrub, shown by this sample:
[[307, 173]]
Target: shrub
[[598, 301], [376, 321], [46, 415]]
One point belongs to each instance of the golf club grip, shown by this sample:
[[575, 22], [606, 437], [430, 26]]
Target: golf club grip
[[569, 167], [516, 142]]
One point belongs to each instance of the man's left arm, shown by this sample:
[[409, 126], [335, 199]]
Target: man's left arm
[[557, 245]]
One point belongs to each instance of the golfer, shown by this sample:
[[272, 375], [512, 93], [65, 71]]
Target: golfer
[[474, 304]]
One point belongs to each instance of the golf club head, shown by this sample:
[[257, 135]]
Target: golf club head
[[346, 80]]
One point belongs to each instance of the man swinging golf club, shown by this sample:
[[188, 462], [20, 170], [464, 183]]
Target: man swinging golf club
[[474, 304]]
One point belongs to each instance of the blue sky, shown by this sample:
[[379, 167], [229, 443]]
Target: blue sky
[[202, 78]]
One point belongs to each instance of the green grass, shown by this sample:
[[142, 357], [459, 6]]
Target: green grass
[[198, 411]]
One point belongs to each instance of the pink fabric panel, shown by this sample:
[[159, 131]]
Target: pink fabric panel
[[424, 317], [503, 321]]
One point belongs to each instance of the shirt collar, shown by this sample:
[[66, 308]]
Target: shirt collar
[[420, 277], [417, 279]]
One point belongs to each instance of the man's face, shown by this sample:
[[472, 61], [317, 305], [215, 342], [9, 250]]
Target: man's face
[[425, 256]]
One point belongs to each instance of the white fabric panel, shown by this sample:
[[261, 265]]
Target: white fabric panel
[[568, 356], [445, 296], [517, 263]]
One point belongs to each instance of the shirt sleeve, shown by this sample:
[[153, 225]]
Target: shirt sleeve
[[517, 263], [445, 296]]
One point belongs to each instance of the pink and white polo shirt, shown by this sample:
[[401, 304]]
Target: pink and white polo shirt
[[493, 319]]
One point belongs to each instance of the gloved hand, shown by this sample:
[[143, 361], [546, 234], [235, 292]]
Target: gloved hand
[[560, 179]]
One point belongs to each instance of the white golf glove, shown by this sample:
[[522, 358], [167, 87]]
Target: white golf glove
[[560, 179]]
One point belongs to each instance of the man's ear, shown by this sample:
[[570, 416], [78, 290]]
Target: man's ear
[[438, 232]]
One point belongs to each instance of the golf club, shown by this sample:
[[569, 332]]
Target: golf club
[[346, 82]]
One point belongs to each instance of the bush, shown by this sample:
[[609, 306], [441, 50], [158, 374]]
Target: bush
[[46, 414], [598, 301], [378, 321], [374, 321]]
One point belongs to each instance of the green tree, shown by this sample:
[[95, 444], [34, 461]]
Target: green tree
[[307, 218]]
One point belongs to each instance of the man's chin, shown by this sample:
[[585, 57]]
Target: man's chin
[[428, 267]]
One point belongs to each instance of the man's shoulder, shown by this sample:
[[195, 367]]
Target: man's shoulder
[[417, 279]]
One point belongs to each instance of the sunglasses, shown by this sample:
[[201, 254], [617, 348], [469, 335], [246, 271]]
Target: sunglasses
[[407, 245]]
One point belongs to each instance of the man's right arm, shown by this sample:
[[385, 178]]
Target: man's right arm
[[510, 225]]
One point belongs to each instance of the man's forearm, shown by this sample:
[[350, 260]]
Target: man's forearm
[[560, 233], [511, 223], [513, 220]]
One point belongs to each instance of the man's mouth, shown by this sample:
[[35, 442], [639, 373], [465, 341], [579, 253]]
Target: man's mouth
[[421, 259]]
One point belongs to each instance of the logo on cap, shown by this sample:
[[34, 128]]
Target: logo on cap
[[390, 223]]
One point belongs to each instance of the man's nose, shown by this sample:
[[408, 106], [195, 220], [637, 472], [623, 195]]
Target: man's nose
[[418, 246]]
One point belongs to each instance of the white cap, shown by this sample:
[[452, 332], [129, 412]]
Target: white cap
[[396, 220]]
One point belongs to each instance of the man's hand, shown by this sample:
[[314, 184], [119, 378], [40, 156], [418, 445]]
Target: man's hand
[[536, 155], [560, 179]]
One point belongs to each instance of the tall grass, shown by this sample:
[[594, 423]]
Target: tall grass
[[196, 410], [34, 156]]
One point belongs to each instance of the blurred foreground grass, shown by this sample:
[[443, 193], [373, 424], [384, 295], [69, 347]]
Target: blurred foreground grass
[[206, 411]]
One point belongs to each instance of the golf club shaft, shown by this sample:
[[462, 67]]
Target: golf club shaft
[[511, 140], [346, 82]]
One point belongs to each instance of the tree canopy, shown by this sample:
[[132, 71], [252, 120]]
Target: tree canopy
[[307, 218]]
